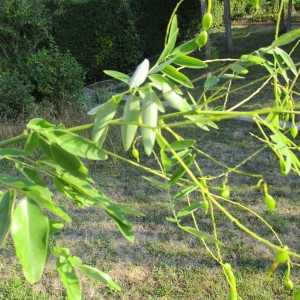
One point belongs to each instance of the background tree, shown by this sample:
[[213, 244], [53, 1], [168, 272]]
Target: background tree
[[227, 24]]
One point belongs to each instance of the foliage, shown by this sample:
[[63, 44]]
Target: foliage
[[115, 35], [16, 94], [55, 75], [34, 68], [55, 154]]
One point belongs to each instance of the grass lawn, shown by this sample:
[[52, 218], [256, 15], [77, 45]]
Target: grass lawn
[[164, 262]]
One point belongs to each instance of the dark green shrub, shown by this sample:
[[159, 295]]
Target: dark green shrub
[[15, 95], [56, 76]]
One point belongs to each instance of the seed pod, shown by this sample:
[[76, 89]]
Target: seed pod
[[207, 21], [202, 38], [270, 202], [282, 255], [294, 131], [149, 118], [288, 284], [225, 190]]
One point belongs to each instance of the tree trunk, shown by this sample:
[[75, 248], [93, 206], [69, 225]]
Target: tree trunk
[[282, 25], [203, 4], [288, 21], [227, 22]]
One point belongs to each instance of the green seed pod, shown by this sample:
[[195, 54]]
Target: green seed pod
[[225, 190], [202, 38], [289, 284], [205, 205], [270, 202], [282, 165], [135, 153], [294, 131], [282, 255], [207, 21]]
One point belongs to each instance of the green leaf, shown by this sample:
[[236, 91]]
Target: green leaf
[[104, 116], [174, 100], [159, 80], [161, 66], [130, 115], [237, 68], [168, 47], [186, 48], [189, 62], [189, 209], [69, 278], [11, 152], [140, 74], [30, 174], [129, 210], [181, 154], [39, 124], [124, 228], [201, 235], [7, 201], [165, 160], [75, 144], [30, 230], [38, 193], [156, 182], [118, 75], [210, 81], [162, 204], [287, 59], [286, 38], [65, 160], [177, 76], [99, 276], [32, 142], [253, 58], [55, 226], [149, 120], [180, 171], [181, 145], [184, 192]]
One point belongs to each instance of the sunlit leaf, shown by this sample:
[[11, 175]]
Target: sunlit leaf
[[99, 276], [118, 75], [177, 76], [180, 171], [189, 62], [130, 115], [184, 192], [161, 66], [286, 38], [186, 48], [32, 142], [155, 182], [64, 159], [201, 235], [55, 226], [149, 120], [39, 124], [140, 74], [68, 278], [189, 209], [180, 145], [30, 174], [30, 230], [75, 144], [287, 59], [7, 201], [159, 80], [39, 194], [105, 115]]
